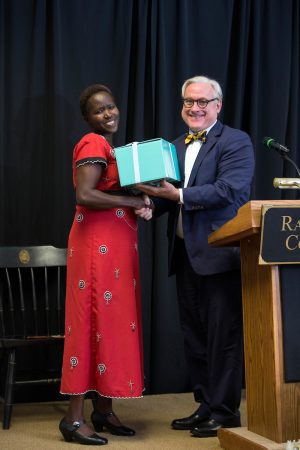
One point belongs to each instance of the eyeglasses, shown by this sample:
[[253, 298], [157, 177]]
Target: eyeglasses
[[201, 102]]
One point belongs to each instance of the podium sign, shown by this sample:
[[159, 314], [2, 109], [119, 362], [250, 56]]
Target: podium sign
[[280, 235]]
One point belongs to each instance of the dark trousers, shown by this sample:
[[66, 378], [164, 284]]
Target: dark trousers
[[210, 309]]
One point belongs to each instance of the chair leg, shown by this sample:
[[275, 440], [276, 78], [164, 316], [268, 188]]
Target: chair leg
[[8, 394]]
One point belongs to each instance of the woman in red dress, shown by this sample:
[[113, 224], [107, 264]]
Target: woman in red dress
[[103, 335]]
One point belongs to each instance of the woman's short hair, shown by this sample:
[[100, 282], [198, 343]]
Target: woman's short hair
[[88, 92]]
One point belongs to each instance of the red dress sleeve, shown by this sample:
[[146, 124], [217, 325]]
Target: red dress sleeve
[[92, 148], [95, 149]]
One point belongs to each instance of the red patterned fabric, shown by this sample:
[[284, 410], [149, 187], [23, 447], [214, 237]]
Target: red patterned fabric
[[103, 335]]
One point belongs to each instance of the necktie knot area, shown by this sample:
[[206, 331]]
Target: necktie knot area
[[196, 136]]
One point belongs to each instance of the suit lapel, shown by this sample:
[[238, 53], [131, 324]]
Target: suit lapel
[[206, 147]]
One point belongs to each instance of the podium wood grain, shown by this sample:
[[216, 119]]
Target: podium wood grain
[[273, 406]]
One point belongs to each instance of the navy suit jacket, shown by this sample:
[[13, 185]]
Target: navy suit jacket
[[218, 186]]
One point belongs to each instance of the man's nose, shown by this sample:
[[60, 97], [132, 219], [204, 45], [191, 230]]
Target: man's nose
[[195, 107]]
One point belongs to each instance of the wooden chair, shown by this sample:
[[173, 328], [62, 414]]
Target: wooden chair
[[32, 294]]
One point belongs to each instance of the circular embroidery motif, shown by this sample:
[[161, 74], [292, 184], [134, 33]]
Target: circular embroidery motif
[[81, 284], [73, 361], [107, 296], [120, 213], [79, 217], [103, 249], [101, 368]]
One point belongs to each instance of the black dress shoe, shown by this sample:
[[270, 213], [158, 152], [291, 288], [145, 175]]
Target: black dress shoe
[[190, 422], [209, 428], [70, 433], [100, 420]]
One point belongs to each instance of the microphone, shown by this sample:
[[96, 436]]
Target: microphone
[[270, 143]]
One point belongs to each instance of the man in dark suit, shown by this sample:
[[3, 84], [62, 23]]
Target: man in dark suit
[[216, 164]]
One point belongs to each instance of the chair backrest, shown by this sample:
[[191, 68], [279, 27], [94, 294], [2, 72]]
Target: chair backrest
[[32, 291]]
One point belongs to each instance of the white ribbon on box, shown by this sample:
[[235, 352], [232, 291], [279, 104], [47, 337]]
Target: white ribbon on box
[[135, 158]]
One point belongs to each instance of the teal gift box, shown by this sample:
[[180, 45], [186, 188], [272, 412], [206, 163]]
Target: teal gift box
[[147, 162]]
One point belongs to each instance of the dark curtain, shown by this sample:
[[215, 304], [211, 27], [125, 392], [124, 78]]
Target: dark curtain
[[50, 50]]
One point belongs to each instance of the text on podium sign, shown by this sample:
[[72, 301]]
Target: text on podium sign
[[280, 235]]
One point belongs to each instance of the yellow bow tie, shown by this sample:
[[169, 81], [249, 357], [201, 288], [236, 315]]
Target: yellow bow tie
[[195, 136]]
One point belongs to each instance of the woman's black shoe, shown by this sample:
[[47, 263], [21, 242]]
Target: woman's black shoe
[[70, 433], [100, 420]]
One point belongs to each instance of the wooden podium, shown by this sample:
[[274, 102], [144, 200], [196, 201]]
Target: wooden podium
[[273, 406]]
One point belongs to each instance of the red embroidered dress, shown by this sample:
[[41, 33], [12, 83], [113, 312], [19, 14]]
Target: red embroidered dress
[[103, 335]]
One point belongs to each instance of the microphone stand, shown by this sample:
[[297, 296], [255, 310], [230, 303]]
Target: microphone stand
[[287, 183], [287, 158]]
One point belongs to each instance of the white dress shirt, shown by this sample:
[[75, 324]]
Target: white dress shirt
[[191, 154]]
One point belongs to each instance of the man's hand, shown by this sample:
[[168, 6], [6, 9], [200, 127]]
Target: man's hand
[[165, 190], [145, 213]]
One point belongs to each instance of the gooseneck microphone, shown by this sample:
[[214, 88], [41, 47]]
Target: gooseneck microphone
[[271, 143]]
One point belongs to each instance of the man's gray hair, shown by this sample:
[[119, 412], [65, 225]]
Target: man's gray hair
[[202, 79]]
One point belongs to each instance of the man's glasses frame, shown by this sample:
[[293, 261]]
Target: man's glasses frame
[[201, 102]]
